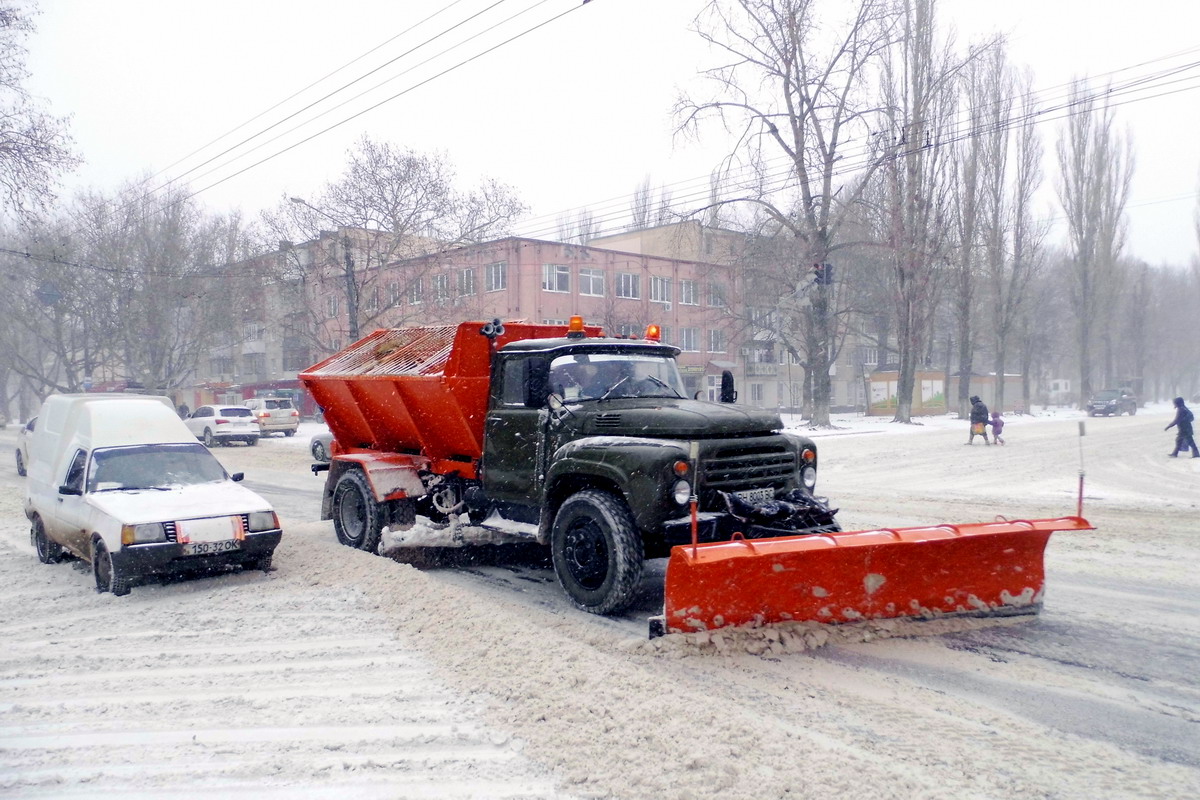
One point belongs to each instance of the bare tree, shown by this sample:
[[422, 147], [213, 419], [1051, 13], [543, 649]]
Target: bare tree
[[35, 147], [390, 204], [1096, 166], [640, 206], [795, 86], [915, 221]]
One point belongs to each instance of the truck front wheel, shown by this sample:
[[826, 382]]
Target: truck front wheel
[[597, 552], [356, 517]]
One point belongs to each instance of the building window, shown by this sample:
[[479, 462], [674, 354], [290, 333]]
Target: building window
[[253, 332], [256, 363], [415, 290], [554, 322], [295, 360], [333, 305], [441, 287], [716, 295], [393, 293], [628, 329], [688, 294], [629, 285], [591, 282], [556, 278], [664, 334], [716, 341], [496, 276], [762, 319], [372, 302], [870, 356], [222, 365], [689, 339], [660, 289], [757, 395], [466, 282]]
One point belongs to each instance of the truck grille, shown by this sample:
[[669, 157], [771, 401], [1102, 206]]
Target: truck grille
[[732, 469]]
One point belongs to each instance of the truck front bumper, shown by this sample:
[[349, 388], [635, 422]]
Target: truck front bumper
[[167, 557]]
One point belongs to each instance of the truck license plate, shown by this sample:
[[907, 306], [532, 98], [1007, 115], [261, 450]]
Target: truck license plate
[[756, 495], [210, 548]]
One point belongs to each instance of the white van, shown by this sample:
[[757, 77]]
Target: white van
[[119, 480]]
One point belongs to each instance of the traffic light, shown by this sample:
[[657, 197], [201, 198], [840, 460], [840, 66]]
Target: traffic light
[[823, 273]]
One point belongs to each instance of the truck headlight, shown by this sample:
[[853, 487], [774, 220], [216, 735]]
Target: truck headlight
[[262, 521], [809, 476], [682, 492], [141, 534]]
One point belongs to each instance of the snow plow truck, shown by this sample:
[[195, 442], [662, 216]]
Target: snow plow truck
[[587, 444]]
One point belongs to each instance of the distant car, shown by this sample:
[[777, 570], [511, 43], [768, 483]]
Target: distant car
[[274, 415], [1111, 402], [23, 445], [319, 446], [221, 425]]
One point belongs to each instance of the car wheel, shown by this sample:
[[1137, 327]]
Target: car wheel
[[251, 441], [20, 463], [356, 517], [289, 434], [597, 551], [108, 579], [48, 552], [318, 451], [210, 441], [262, 562], [1133, 411]]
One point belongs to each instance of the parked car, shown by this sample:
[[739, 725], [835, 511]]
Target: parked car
[[320, 446], [23, 445], [1112, 402], [275, 415], [215, 425], [119, 481]]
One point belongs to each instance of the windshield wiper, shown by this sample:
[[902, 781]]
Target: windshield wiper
[[612, 388], [665, 385]]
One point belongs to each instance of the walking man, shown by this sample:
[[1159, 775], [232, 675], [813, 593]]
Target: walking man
[[979, 420], [1184, 438]]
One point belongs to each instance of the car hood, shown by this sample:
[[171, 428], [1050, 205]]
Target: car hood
[[225, 498]]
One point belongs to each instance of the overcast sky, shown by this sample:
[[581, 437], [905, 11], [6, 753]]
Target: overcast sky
[[574, 114]]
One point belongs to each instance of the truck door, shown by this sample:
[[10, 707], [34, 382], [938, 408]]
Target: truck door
[[512, 452], [70, 510]]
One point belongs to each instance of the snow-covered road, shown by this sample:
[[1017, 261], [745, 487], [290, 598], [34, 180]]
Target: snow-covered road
[[346, 675]]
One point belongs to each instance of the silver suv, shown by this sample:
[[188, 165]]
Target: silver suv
[[275, 415]]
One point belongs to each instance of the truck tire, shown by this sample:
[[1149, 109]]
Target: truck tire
[[597, 552], [20, 463], [48, 552], [105, 572], [356, 516]]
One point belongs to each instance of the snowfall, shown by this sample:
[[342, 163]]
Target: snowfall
[[341, 674]]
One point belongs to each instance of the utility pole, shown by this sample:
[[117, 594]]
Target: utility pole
[[347, 269]]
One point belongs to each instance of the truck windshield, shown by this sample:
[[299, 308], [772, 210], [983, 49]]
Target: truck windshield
[[597, 376], [152, 466]]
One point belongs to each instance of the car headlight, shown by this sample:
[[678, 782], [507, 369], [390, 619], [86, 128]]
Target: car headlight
[[263, 521], [809, 476], [142, 534], [682, 492]]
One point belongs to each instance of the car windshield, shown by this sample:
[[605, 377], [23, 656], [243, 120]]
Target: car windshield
[[598, 376], [153, 466], [1107, 394]]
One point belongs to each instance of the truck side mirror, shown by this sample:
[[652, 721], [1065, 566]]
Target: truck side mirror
[[537, 379], [728, 392]]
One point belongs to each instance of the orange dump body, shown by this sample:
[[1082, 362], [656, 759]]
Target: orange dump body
[[419, 391], [992, 568]]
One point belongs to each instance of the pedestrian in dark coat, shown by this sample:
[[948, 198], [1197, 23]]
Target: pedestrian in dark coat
[[979, 420], [1184, 438]]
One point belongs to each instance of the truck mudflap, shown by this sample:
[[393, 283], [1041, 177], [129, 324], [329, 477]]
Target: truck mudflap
[[977, 569]]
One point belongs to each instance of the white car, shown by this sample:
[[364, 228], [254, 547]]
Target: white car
[[215, 425], [320, 446], [23, 445], [119, 481], [275, 415]]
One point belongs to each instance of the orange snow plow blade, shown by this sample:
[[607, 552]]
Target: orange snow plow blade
[[979, 569]]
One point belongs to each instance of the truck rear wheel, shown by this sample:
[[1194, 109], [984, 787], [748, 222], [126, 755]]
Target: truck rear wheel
[[356, 516], [597, 552]]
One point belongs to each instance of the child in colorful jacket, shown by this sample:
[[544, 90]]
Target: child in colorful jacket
[[997, 426]]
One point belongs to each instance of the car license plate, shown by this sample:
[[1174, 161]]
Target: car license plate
[[756, 495], [210, 548]]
